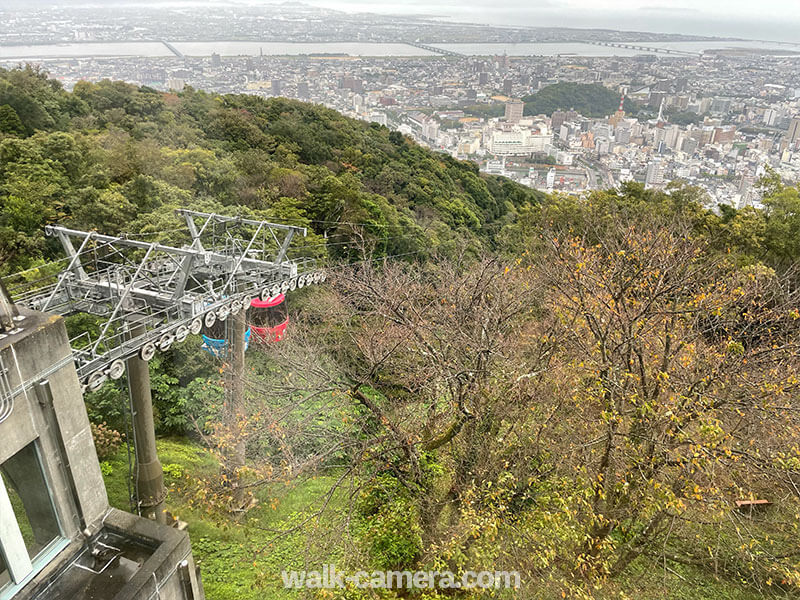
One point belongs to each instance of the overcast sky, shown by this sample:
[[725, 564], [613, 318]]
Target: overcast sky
[[740, 7], [777, 20], [754, 19]]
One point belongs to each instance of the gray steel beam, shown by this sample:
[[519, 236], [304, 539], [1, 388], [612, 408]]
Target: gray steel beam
[[225, 219]]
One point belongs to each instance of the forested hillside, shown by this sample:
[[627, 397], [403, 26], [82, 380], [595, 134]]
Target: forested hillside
[[589, 391], [590, 100], [119, 158]]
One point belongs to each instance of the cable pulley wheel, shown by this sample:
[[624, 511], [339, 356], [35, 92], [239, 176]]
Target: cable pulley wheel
[[116, 369], [147, 352], [165, 342], [96, 380], [196, 326], [181, 333]]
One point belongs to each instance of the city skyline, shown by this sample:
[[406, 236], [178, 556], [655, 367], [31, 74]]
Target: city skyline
[[559, 337]]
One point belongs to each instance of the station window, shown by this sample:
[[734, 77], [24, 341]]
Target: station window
[[5, 578], [28, 522]]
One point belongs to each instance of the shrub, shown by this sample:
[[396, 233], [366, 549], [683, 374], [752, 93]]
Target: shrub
[[173, 470], [106, 441], [390, 526]]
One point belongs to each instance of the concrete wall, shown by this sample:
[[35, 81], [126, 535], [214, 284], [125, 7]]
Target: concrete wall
[[173, 549], [48, 407]]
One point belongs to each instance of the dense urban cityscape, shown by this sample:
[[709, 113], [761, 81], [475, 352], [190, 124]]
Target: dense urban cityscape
[[711, 117]]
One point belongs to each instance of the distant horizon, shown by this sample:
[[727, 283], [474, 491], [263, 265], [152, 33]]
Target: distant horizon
[[656, 19], [779, 24]]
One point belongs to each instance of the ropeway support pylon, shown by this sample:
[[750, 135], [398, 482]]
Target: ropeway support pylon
[[149, 295]]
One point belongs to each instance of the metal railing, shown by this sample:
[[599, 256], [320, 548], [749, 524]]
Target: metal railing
[[147, 295]]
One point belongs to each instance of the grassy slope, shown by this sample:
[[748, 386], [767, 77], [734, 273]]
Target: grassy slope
[[233, 569], [231, 566]]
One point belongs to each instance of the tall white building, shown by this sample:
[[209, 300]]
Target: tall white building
[[430, 130], [672, 135], [551, 179], [378, 117], [655, 174], [519, 141]]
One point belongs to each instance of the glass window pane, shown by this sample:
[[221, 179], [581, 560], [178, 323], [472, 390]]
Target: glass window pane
[[5, 578], [30, 499]]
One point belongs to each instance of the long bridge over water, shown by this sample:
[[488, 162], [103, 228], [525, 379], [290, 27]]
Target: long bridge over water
[[629, 46], [172, 49], [434, 49]]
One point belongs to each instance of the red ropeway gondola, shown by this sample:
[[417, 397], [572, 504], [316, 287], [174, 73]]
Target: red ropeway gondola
[[269, 324]]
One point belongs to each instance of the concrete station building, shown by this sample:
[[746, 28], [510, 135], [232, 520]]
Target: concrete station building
[[59, 538]]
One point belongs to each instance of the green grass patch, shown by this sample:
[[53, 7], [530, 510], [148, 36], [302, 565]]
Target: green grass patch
[[241, 560], [647, 579]]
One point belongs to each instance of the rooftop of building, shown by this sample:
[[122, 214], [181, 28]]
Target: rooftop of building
[[126, 559], [25, 323]]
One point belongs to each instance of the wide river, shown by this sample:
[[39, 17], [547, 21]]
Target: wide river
[[249, 48]]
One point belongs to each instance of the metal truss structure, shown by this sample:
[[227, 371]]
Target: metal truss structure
[[149, 295]]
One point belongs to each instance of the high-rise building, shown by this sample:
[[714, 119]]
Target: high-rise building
[[724, 135], [655, 174], [672, 135], [514, 110], [690, 146], [557, 119], [378, 117], [793, 135], [216, 60], [354, 84], [622, 134], [659, 136], [176, 84], [508, 87], [430, 130], [277, 87], [302, 90], [483, 78], [721, 105], [551, 179], [502, 62]]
